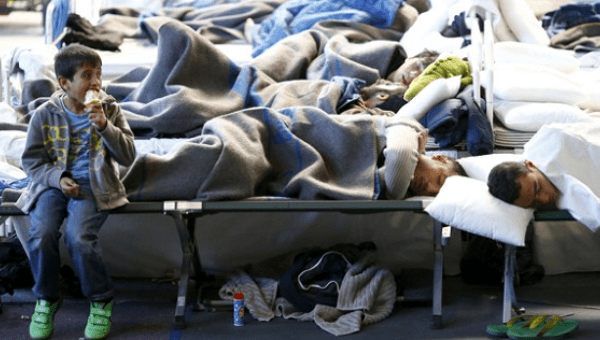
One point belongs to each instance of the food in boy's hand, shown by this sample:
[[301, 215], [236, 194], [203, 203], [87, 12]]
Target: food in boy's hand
[[91, 96]]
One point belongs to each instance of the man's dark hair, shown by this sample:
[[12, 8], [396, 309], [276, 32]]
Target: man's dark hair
[[70, 58], [502, 181], [458, 168], [427, 56]]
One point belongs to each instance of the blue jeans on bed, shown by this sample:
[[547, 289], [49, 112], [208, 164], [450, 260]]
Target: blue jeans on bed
[[83, 222]]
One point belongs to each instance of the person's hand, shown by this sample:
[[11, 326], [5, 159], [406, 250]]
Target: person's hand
[[423, 140], [97, 116], [69, 187]]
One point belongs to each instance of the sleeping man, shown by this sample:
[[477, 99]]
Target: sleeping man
[[560, 169], [297, 152], [523, 184]]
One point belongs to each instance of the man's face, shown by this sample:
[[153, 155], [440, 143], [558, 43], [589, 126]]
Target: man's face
[[431, 173], [536, 190], [409, 70]]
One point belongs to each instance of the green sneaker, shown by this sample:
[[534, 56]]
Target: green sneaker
[[99, 323], [42, 320]]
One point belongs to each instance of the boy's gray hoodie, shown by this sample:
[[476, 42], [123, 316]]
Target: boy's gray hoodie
[[44, 158]]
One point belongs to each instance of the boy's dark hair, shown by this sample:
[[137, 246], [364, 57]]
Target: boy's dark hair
[[70, 58], [502, 181]]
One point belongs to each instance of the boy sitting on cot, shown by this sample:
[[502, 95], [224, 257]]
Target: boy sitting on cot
[[74, 145]]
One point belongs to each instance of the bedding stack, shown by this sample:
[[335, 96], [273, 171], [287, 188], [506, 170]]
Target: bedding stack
[[534, 86]]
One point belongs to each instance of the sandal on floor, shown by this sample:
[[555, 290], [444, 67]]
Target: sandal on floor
[[500, 330], [543, 327]]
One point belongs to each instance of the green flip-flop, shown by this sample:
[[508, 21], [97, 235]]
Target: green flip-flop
[[501, 330], [543, 327]]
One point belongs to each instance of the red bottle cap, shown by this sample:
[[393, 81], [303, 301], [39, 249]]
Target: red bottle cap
[[238, 296]]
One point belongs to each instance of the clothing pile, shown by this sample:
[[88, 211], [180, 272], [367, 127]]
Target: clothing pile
[[340, 288]]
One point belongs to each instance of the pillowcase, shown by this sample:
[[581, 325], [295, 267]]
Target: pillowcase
[[531, 116], [580, 201], [536, 83], [522, 22], [442, 68], [433, 20], [479, 167], [517, 52], [466, 204], [434, 93]]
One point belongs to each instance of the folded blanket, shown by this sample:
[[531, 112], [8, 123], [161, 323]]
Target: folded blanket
[[460, 118], [582, 39], [570, 15]]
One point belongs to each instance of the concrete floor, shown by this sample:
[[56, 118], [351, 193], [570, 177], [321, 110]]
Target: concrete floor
[[145, 309]]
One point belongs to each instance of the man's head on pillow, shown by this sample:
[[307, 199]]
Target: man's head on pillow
[[522, 184], [431, 173], [388, 94], [412, 67]]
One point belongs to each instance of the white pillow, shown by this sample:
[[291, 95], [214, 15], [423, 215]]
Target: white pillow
[[593, 101], [531, 116], [434, 20], [536, 83], [522, 22], [466, 204], [519, 52], [479, 167], [432, 94]]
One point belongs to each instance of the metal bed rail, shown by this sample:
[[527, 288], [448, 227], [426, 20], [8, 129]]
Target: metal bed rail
[[510, 304], [185, 214]]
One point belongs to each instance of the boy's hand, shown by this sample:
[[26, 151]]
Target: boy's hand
[[69, 187], [97, 116]]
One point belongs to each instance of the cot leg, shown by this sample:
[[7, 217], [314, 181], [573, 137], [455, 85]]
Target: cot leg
[[509, 298], [185, 228], [438, 271]]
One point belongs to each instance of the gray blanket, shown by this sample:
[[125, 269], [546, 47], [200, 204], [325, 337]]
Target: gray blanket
[[193, 82], [269, 128], [219, 23], [299, 152]]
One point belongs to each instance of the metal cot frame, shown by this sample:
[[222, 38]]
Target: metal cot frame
[[185, 214]]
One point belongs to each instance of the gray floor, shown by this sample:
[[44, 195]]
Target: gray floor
[[145, 309]]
